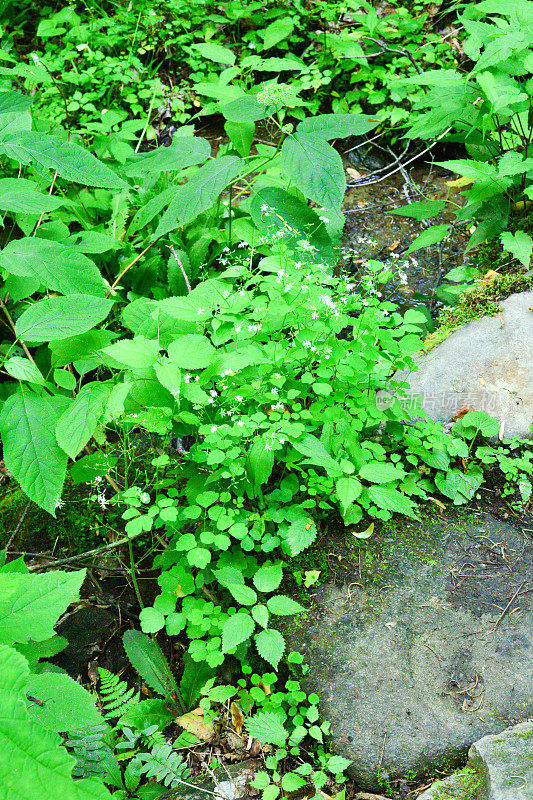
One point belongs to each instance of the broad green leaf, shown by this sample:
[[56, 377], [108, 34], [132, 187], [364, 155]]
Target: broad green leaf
[[67, 158], [291, 219], [420, 211], [282, 605], [89, 467], [337, 126], [469, 168], [20, 196], [152, 208], [31, 453], [237, 629], [56, 266], [151, 619], [241, 135], [61, 317], [459, 487], [169, 376], [315, 168], [277, 31], [184, 151], [23, 370], [479, 421], [92, 242], [191, 351], [270, 646], [260, 614], [261, 461], [76, 425], [66, 705], [519, 244], [244, 595], [36, 603], [292, 782], [195, 675], [337, 764], [64, 379], [200, 192], [136, 353], [317, 454], [300, 534], [243, 110], [267, 727], [146, 657], [380, 472], [268, 577], [392, 500], [348, 489], [33, 761], [430, 236], [513, 163], [215, 52]]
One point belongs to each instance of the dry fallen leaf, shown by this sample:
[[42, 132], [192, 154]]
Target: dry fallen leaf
[[490, 275], [236, 717], [461, 413], [192, 723], [394, 245]]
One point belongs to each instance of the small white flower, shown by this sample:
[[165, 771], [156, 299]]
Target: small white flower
[[98, 479], [226, 250], [277, 376], [264, 208], [268, 447], [60, 503], [243, 244], [144, 497], [324, 219], [306, 343], [274, 390], [102, 501], [200, 311], [298, 264], [238, 398], [305, 245], [240, 423], [282, 440], [385, 312], [226, 294], [223, 261], [213, 393], [187, 378], [238, 328], [214, 428], [315, 315]]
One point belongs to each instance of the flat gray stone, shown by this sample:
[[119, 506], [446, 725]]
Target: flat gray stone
[[462, 785], [426, 648], [486, 365]]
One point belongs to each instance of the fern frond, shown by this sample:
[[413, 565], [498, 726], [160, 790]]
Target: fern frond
[[117, 698], [164, 764], [93, 754]]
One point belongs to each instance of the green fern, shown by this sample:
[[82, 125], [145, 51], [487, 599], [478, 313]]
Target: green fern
[[165, 764], [93, 754], [117, 698]]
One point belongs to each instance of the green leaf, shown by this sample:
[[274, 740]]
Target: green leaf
[[169, 376], [191, 351], [76, 425], [337, 126], [300, 535], [184, 151], [89, 467], [136, 353], [66, 158], [151, 619], [195, 675], [430, 236], [200, 192], [261, 461], [244, 595], [65, 706], [420, 211], [292, 782], [348, 489], [337, 764], [392, 500], [270, 646], [317, 454], [283, 606], [241, 135], [23, 370], [459, 487], [61, 317], [260, 615], [92, 242], [480, 421], [32, 759], [243, 110], [519, 244], [315, 168], [268, 577], [146, 657], [56, 266], [380, 472], [64, 379], [31, 452], [267, 728], [19, 196], [237, 629], [277, 31], [34, 603], [215, 52]]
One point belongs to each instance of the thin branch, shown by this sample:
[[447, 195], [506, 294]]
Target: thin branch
[[19, 525], [130, 265], [95, 551], [182, 268]]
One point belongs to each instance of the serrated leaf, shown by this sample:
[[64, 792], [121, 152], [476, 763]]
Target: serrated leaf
[[315, 168], [430, 236], [195, 675], [56, 266], [270, 646], [268, 577], [146, 657], [380, 472], [244, 595], [237, 629], [66, 158], [277, 31], [136, 353], [152, 620], [35, 603], [31, 452], [260, 615], [191, 351], [215, 52], [348, 489], [519, 244], [337, 764], [76, 425], [23, 370], [283, 606], [200, 192], [241, 135], [20, 196], [61, 317], [392, 500], [420, 211], [76, 709], [184, 151], [458, 486], [300, 534], [337, 126], [267, 728], [317, 454]]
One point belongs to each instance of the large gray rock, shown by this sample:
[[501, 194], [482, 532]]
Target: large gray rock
[[426, 648], [500, 767], [486, 365]]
